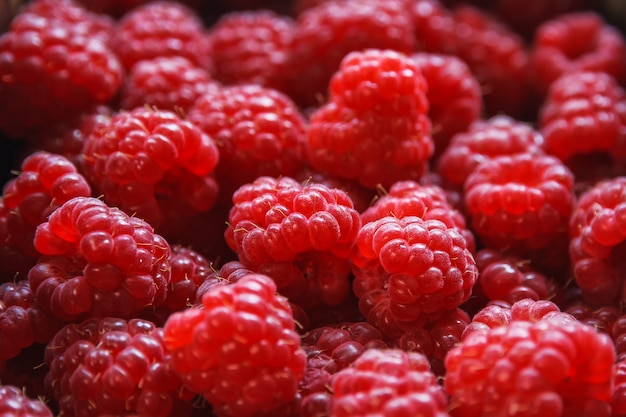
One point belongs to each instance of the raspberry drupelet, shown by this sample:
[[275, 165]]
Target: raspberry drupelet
[[165, 83], [13, 402], [98, 261], [552, 367], [239, 349], [189, 270], [576, 42], [53, 68], [298, 234], [325, 34], [45, 182], [410, 271], [388, 382], [154, 165], [142, 34], [111, 366], [597, 236], [375, 128], [521, 203], [251, 47], [259, 131]]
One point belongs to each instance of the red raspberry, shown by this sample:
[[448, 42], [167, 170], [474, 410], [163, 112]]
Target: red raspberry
[[328, 32], [153, 165], [454, 96], [98, 261], [112, 366], [22, 322], [433, 26], [618, 403], [259, 131], [375, 128], [410, 271], [252, 47], [141, 34], [300, 235], [388, 382], [45, 182], [607, 319], [409, 198], [584, 114], [165, 83], [331, 349], [484, 140], [52, 68], [576, 42], [553, 367], [597, 246], [498, 58], [520, 203], [189, 270], [239, 350], [13, 402]]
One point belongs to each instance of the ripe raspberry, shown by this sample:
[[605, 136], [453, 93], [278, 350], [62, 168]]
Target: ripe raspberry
[[252, 47], [576, 42], [141, 34], [22, 323], [618, 403], [520, 203], [484, 140], [597, 243], [410, 271], [259, 131], [300, 235], [454, 96], [584, 114], [553, 367], [498, 58], [329, 350], [45, 182], [165, 83], [189, 270], [606, 319], [13, 402], [433, 26], [52, 69], [409, 198], [98, 261], [388, 382], [112, 366], [328, 32], [239, 350], [375, 128], [153, 165]]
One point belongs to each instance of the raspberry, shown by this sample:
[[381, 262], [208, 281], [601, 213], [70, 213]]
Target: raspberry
[[252, 47], [165, 83], [410, 271], [259, 132], [300, 235], [433, 26], [328, 32], [388, 382], [111, 366], [13, 402], [45, 182], [375, 129], [98, 261], [189, 270], [597, 242], [553, 367], [484, 140], [520, 203], [154, 165], [576, 42], [409, 198], [454, 96], [584, 114], [498, 58], [51, 69], [607, 319], [141, 34], [618, 403], [240, 349]]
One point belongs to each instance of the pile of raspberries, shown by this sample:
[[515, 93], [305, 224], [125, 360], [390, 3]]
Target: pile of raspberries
[[313, 208]]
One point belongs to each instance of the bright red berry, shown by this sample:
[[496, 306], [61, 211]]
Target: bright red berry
[[13, 402]]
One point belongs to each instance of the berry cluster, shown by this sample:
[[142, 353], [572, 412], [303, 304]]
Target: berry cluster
[[313, 208]]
